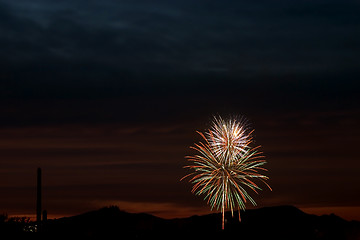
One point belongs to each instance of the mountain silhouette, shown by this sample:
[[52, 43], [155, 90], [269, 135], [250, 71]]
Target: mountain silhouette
[[280, 222]]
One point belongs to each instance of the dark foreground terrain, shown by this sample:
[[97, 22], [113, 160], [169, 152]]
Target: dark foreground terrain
[[283, 222]]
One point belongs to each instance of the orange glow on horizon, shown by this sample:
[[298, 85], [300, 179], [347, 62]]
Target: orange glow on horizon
[[347, 213]]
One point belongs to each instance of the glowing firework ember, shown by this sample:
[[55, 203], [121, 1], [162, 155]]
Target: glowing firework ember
[[226, 166]]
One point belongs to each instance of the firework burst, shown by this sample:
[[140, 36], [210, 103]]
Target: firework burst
[[226, 166]]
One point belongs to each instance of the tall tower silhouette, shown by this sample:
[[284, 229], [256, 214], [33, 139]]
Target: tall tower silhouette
[[38, 196]]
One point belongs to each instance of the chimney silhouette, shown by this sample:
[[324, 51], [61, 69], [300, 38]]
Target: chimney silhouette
[[38, 196]]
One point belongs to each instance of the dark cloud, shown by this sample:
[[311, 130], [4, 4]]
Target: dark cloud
[[72, 48]]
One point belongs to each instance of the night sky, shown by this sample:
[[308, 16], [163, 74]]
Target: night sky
[[106, 97]]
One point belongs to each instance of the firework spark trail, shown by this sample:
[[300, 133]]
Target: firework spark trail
[[225, 164]]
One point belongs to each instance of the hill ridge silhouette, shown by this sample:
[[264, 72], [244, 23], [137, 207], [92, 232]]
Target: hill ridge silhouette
[[277, 222]]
